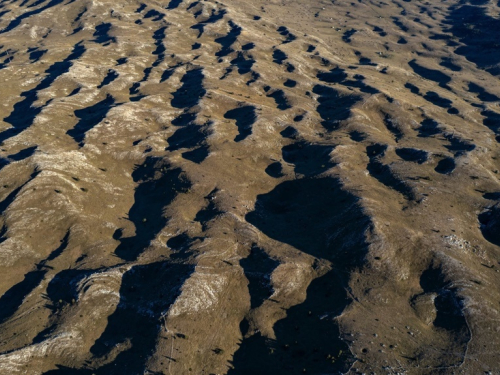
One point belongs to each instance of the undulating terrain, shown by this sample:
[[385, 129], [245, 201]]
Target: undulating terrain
[[249, 187]]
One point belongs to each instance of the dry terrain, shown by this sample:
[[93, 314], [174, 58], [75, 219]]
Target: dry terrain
[[249, 187]]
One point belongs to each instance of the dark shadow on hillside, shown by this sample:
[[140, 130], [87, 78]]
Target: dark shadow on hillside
[[392, 124], [191, 136], [282, 30], [458, 145], [154, 15], [490, 224], [89, 118], [245, 117], [189, 94], [448, 63], [110, 77], [24, 112], [158, 185], [477, 31], [279, 56], [227, 41], [412, 154], [6, 202], [173, 4], [146, 293], [449, 319], [159, 36], [315, 216], [210, 211], [17, 21], [275, 170], [307, 339], [431, 74], [383, 172], [429, 128], [445, 166], [309, 159], [280, 99], [258, 267], [23, 154], [492, 121], [62, 291], [400, 24], [184, 119], [483, 95], [36, 54], [438, 100], [188, 136], [198, 154], [243, 64], [214, 17], [14, 297], [346, 37], [333, 107], [318, 217], [102, 36]]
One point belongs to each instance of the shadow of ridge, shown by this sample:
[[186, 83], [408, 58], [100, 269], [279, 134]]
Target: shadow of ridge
[[110, 77], [173, 4], [210, 211], [159, 184], [159, 35], [275, 170], [279, 56], [23, 154], [89, 117], [12, 195], [245, 117], [434, 98], [338, 75], [449, 319], [490, 224], [307, 339], [334, 106], [429, 128], [384, 174], [243, 64], [483, 95], [316, 216], [197, 155], [101, 34], [449, 315], [227, 41], [412, 154], [13, 298], [24, 113], [214, 17], [492, 121], [154, 15], [308, 159], [474, 28], [280, 98], [431, 74], [17, 21], [258, 267], [146, 293], [188, 136], [189, 94]]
